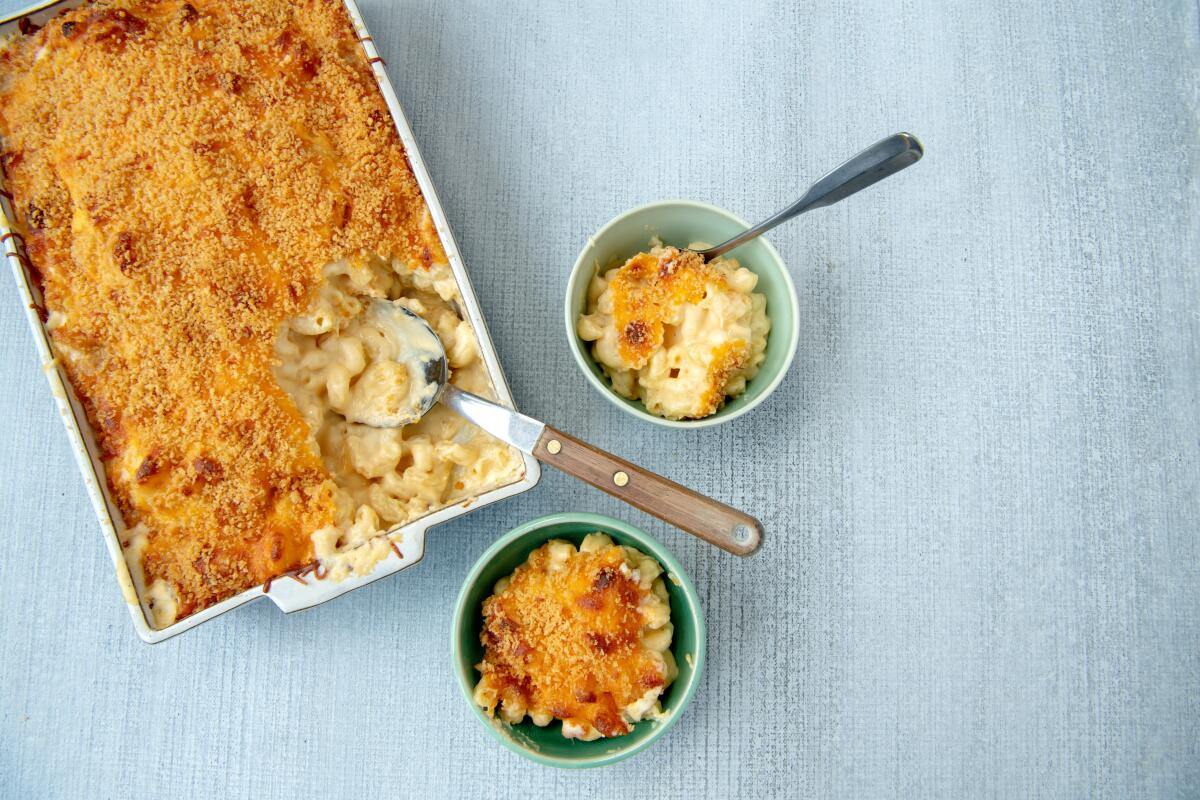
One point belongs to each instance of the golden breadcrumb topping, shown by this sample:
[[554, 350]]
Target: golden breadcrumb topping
[[181, 172], [647, 290], [728, 359], [564, 638], [654, 299]]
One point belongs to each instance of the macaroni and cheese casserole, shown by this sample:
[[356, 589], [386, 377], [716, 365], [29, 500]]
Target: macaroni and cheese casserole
[[679, 334], [207, 193], [579, 635]]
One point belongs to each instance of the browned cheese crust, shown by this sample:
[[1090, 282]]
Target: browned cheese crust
[[181, 171], [569, 643]]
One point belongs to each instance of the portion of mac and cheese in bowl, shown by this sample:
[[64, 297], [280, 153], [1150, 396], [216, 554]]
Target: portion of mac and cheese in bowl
[[579, 635], [679, 334], [385, 476]]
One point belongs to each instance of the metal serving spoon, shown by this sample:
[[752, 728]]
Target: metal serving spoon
[[885, 157], [716, 523]]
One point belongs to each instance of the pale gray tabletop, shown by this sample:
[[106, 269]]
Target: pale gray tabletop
[[980, 480]]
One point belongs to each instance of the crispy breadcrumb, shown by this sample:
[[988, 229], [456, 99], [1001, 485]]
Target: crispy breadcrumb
[[181, 172], [565, 639], [647, 290]]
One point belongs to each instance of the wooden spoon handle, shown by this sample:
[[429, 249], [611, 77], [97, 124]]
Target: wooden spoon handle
[[716, 523]]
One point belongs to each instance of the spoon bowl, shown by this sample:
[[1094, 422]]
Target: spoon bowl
[[418, 348]]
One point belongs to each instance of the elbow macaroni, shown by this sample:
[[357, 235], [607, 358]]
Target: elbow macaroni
[[580, 635], [385, 477], [677, 333]]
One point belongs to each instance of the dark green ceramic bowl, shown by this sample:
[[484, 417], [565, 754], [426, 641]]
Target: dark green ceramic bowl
[[547, 745]]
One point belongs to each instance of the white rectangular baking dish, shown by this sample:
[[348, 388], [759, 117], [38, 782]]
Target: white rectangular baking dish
[[289, 593]]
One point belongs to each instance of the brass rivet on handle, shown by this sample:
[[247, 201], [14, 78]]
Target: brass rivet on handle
[[620, 478], [553, 447]]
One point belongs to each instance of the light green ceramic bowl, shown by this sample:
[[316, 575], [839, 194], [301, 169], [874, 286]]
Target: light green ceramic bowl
[[680, 223], [547, 745]]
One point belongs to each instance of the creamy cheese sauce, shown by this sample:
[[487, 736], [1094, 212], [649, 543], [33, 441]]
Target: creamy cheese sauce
[[396, 386]]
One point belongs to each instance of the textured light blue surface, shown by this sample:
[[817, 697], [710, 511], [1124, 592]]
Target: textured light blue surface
[[980, 481]]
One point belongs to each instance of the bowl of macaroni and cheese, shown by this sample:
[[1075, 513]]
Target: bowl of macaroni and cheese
[[577, 640], [669, 337]]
